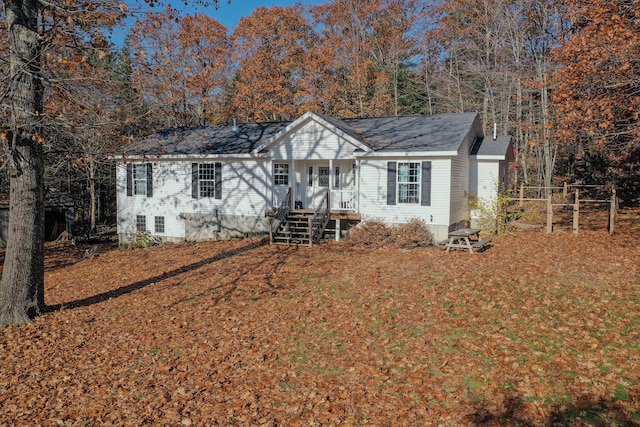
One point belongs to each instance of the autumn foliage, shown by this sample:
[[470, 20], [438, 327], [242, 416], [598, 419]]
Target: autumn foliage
[[597, 92], [540, 329], [556, 75]]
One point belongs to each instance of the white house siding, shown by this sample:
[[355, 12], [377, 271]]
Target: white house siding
[[459, 189], [373, 195], [483, 186], [312, 141], [484, 179], [240, 211]]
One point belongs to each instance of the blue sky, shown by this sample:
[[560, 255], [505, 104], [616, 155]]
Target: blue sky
[[230, 14]]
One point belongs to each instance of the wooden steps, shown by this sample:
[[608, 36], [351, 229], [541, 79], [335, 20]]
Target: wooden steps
[[294, 230]]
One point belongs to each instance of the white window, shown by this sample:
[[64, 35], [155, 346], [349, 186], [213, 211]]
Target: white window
[[159, 225], [140, 180], [409, 182], [141, 223], [281, 174], [336, 182], [207, 179]]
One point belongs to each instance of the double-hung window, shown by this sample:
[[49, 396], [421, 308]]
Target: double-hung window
[[140, 179], [409, 182], [281, 174], [206, 180], [158, 224]]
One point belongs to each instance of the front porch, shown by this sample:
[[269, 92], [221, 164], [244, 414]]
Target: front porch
[[337, 210]]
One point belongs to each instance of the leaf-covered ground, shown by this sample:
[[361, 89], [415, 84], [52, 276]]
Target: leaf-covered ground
[[537, 330]]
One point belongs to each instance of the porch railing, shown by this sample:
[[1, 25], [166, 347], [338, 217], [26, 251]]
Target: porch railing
[[319, 221], [344, 200], [280, 215]]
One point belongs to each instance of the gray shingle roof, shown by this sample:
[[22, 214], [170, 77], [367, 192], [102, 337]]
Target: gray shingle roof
[[214, 139], [492, 147], [442, 132]]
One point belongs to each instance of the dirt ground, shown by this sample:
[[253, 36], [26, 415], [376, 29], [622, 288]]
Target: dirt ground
[[539, 329]]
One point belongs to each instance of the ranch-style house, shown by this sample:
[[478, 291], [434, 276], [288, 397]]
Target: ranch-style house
[[296, 180]]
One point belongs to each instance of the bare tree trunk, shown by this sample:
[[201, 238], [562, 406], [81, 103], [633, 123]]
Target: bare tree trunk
[[522, 148], [22, 286], [93, 208], [427, 83]]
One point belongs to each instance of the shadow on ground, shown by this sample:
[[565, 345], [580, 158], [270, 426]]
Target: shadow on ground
[[589, 410], [115, 293]]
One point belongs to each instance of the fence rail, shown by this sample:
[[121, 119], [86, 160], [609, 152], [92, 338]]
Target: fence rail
[[612, 201]]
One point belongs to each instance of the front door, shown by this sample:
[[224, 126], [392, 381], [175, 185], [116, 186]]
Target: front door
[[317, 183]]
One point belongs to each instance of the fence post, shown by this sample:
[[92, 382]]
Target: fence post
[[521, 195], [549, 215], [576, 213], [310, 231], [613, 211]]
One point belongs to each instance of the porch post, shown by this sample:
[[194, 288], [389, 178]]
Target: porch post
[[292, 177], [331, 175], [358, 162], [271, 184], [331, 182], [337, 229]]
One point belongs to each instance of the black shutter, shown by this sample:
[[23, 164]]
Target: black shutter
[[425, 187], [129, 179], [194, 180], [149, 180], [391, 183], [218, 180]]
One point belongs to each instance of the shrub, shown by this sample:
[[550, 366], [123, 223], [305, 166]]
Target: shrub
[[144, 239], [413, 234], [375, 234], [492, 214], [372, 234]]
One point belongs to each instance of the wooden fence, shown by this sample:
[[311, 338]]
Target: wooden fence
[[565, 191]]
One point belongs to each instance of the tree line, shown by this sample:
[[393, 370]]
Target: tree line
[[560, 76], [518, 63]]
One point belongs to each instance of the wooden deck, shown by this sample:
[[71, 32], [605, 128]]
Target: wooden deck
[[335, 214]]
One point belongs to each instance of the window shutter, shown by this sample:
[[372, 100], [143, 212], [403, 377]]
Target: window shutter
[[149, 180], [194, 180], [129, 179], [218, 180], [425, 187], [391, 183]]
